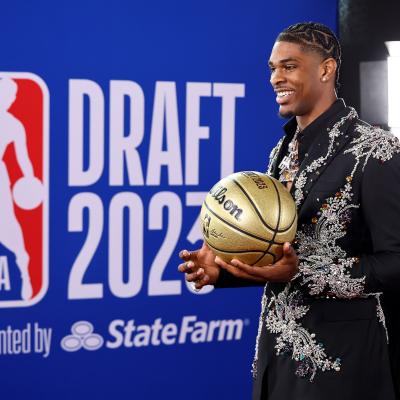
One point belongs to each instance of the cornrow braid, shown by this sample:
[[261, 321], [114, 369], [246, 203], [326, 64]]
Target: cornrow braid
[[316, 37]]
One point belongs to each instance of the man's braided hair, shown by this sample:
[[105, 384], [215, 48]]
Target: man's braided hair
[[316, 37]]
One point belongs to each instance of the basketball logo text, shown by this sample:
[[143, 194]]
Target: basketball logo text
[[261, 184], [219, 195]]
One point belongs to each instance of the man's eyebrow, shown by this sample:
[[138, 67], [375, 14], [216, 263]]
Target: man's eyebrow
[[285, 60]]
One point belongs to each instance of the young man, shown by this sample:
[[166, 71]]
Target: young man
[[323, 333]]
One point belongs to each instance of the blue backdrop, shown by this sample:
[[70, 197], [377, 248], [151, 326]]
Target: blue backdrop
[[150, 103]]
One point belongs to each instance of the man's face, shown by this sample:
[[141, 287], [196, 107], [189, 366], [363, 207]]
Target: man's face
[[295, 77]]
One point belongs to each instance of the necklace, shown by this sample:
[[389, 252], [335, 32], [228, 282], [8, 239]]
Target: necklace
[[290, 163]]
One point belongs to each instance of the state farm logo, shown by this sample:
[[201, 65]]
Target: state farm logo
[[24, 119], [82, 336]]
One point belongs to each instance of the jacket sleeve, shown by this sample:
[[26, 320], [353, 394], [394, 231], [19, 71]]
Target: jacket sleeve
[[380, 202]]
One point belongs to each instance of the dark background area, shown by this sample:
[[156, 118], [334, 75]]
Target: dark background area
[[364, 26]]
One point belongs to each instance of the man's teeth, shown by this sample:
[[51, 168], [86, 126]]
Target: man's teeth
[[283, 94]]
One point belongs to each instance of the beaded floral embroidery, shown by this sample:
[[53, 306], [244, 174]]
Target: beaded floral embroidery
[[273, 155], [379, 144], [324, 265], [284, 311], [260, 325], [334, 133]]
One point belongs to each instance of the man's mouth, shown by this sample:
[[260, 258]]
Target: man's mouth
[[283, 96]]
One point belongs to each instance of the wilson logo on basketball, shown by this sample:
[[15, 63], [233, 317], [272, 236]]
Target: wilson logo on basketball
[[24, 118], [219, 195]]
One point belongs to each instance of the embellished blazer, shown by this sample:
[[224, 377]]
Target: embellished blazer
[[324, 334]]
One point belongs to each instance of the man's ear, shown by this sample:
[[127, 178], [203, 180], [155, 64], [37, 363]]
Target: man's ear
[[328, 69]]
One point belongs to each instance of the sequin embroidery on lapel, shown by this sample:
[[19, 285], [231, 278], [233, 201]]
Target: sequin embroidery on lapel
[[303, 176], [273, 156]]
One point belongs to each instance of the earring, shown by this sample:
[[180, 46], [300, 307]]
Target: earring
[[323, 79]]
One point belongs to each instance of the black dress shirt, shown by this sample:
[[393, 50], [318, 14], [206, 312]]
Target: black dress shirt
[[307, 136]]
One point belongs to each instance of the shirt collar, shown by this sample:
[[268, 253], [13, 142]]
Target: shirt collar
[[319, 125]]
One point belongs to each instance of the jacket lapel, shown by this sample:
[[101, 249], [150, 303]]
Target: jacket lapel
[[323, 150], [280, 150], [277, 156]]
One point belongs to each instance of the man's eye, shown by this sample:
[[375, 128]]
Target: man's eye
[[289, 67], [271, 70]]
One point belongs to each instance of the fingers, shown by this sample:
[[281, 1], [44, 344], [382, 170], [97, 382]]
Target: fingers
[[244, 267], [185, 255], [199, 278], [202, 282], [186, 267], [221, 262], [288, 250], [290, 255], [195, 276], [239, 269], [193, 269], [261, 273]]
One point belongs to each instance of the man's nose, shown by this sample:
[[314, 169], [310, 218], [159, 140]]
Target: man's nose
[[276, 77]]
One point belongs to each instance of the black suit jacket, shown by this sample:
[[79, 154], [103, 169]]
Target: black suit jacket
[[323, 335]]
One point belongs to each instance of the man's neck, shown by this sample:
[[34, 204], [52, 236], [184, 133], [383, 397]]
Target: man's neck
[[304, 120]]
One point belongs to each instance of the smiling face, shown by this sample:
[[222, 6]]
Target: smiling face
[[300, 80]]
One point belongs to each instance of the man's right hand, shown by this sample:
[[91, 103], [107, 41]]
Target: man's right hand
[[199, 266]]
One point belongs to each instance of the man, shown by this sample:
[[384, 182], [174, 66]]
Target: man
[[12, 132], [322, 332]]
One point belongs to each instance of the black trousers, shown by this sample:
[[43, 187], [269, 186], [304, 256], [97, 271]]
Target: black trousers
[[349, 329]]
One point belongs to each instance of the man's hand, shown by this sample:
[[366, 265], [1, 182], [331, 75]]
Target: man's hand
[[199, 266], [282, 271]]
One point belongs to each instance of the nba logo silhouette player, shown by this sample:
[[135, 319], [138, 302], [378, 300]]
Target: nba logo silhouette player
[[27, 192]]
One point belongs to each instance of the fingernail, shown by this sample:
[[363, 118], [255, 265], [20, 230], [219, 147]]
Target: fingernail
[[182, 253], [190, 264], [234, 262], [200, 271]]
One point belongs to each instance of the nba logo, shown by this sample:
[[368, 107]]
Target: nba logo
[[24, 125]]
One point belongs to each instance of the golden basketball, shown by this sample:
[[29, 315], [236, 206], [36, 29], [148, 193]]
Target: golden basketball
[[248, 216]]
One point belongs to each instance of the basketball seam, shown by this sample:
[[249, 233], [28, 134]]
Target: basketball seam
[[256, 209], [276, 230], [235, 227], [236, 251], [252, 203], [279, 218], [264, 254]]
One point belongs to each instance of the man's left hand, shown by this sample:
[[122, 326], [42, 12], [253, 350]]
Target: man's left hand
[[282, 271]]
